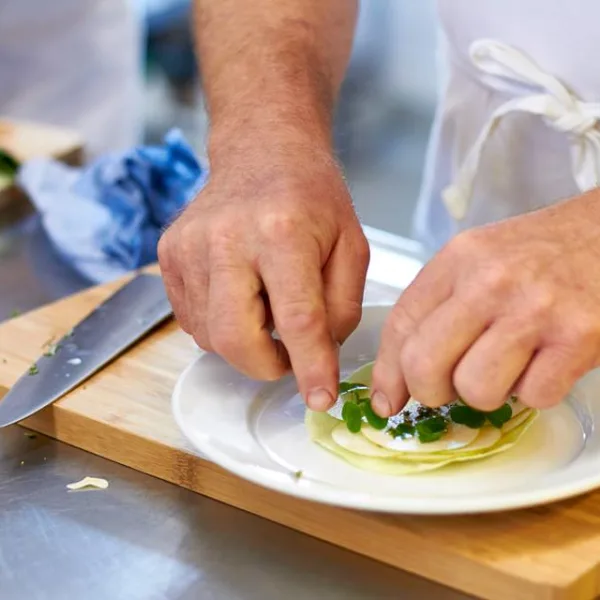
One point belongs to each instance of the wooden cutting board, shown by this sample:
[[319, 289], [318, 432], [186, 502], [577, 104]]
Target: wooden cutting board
[[123, 414], [26, 140]]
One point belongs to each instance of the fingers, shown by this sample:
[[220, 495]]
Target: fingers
[[491, 367], [238, 324], [174, 285], [186, 284], [175, 289], [430, 289], [293, 280], [196, 298], [195, 277], [431, 354], [344, 282], [551, 375]]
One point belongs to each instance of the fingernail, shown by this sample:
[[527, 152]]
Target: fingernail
[[319, 400], [381, 405]]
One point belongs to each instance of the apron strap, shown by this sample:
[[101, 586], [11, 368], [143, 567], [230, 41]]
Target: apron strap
[[552, 101]]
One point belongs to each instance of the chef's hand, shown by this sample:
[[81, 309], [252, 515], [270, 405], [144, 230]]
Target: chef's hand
[[271, 238], [509, 307]]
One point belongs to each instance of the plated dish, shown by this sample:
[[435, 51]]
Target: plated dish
[[417, 439], [263, 433]]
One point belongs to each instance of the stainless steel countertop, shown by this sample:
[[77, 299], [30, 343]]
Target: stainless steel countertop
[[143, 538]]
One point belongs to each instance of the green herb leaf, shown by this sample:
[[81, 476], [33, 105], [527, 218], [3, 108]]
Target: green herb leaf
[[426, 437], [403, 430], [373, 419], [465, 415], [352, 415], [33, 369], [500, 416], [437, 423], [424, 412], [69, 334], [431, 430], [346, 387], [15, 313], [8, 164]]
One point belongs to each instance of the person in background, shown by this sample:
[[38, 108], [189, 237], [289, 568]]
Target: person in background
[[75, 64], [510, 300]]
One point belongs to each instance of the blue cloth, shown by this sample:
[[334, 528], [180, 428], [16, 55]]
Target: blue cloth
[[105, 219]]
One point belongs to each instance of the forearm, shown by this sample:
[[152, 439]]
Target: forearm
[[273, 66]]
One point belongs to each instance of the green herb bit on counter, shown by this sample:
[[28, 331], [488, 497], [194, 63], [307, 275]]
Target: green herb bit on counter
[[52, 349], [33, 369], [15, 313], [69, 334]]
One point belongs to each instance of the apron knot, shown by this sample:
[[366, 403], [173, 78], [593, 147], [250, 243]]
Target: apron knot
[[547, 97], [574, 119]]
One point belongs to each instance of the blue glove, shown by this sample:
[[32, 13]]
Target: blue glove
[[105, 219]]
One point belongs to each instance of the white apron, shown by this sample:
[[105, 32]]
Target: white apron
[[516, 126], [74, 63]]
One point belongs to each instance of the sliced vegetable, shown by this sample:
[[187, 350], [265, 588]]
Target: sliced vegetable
[[88, 482], [321, 425]]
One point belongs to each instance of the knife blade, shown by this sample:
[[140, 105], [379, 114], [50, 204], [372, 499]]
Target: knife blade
[[109, 330]]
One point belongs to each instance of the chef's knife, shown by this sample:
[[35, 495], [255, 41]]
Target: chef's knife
[[105, 333]]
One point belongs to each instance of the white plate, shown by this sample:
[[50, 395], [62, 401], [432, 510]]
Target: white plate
[[256, 431]]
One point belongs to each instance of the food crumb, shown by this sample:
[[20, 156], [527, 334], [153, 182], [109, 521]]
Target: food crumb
[[88, 482], [30, 435], [22, 462], [298, 474]]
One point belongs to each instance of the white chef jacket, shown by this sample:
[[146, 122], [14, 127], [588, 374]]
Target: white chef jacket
[[73, 63], [487, 159]]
